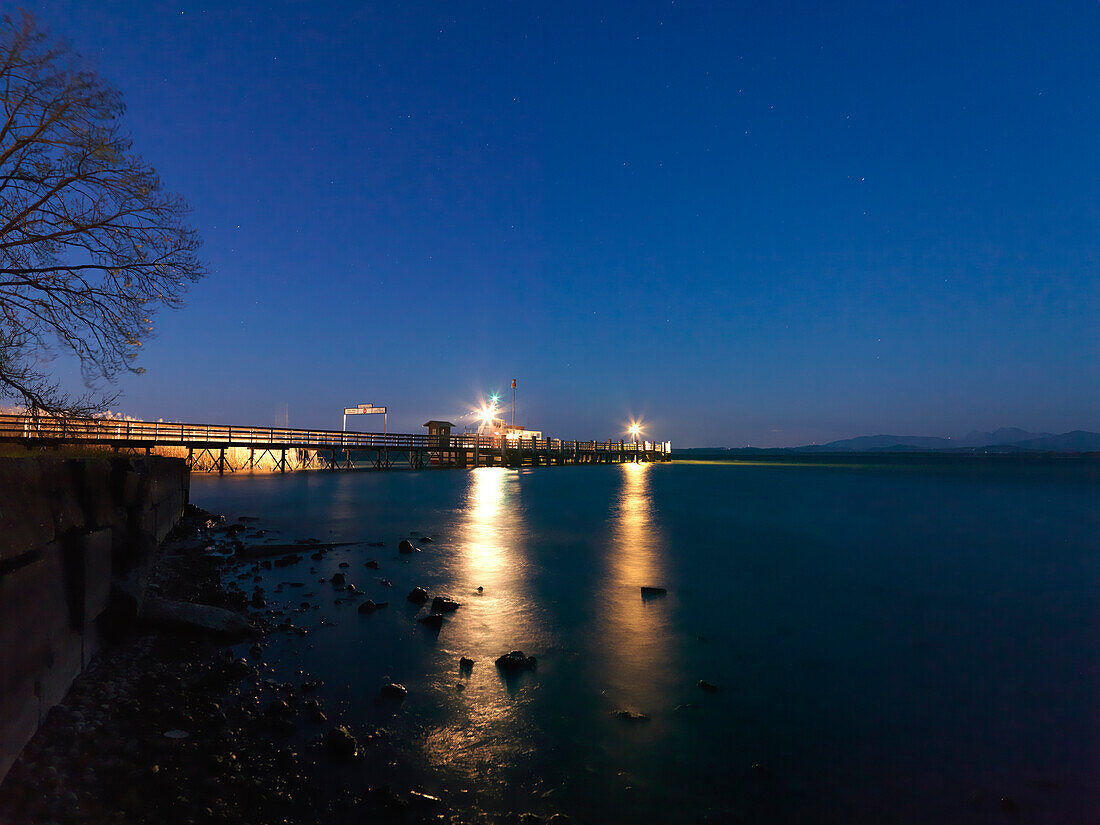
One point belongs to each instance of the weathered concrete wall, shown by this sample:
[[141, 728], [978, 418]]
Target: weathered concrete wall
[[69, 530]]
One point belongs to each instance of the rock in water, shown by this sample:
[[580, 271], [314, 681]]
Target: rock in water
[[369, 606], [407, 546], [418, 595], [441, 604], [340, 744], [649, 590], [707, 686], [338, 578], [426, 539], [371, 563], [432, 620], [465, 664], [632, 716], [515, 661], [393, 692], [352, 589]]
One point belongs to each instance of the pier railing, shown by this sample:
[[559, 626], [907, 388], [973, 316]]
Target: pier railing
[[161, 433]]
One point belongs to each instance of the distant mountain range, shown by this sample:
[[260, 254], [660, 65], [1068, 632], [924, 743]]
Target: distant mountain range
[[1005, 440]]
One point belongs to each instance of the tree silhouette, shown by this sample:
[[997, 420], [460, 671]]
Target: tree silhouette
[[90, 243]]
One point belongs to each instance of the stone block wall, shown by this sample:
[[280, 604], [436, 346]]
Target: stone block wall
[[71, 530]]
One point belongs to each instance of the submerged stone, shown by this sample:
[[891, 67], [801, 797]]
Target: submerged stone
[[393, 692], [418, 595]]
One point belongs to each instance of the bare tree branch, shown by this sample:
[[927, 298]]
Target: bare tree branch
[[90, 243]]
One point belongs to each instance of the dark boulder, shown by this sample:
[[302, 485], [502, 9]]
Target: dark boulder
[[707, 686], [432, 620], [465, 664], [515, 662], [340, 744], [369, 606], [418, 595], [338, 578], [407, 546], [441, 604], [287, 560], [372, 564], [650, 591]]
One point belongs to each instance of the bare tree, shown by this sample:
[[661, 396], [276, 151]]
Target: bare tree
[[90, 243]]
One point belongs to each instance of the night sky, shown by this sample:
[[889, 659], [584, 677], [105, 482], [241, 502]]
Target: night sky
[[745, 223]]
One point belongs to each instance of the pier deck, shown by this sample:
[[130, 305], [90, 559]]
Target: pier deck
[[222, 449]]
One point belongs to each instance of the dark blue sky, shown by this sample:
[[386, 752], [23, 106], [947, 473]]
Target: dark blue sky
[[765, 223]]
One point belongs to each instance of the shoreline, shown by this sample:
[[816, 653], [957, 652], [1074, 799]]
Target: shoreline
[[175, 724]]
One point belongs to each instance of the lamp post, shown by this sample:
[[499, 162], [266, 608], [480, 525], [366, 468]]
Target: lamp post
[[634, 430]]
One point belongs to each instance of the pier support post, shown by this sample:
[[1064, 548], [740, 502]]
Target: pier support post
[[282, 461]]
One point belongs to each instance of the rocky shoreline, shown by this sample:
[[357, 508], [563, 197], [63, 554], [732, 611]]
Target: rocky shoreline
[[177, 720]]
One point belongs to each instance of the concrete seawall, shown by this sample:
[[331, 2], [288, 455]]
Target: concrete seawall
[[76, 535]]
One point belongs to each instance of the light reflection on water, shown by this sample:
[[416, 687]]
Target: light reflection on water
[[635, 641], [485, 723]]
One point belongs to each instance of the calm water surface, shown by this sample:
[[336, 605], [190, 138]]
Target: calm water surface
[[902, 643]]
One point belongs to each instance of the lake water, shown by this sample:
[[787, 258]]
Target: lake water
[[899, 641]]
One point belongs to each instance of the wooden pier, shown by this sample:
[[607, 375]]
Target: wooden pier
[[224, 449]]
